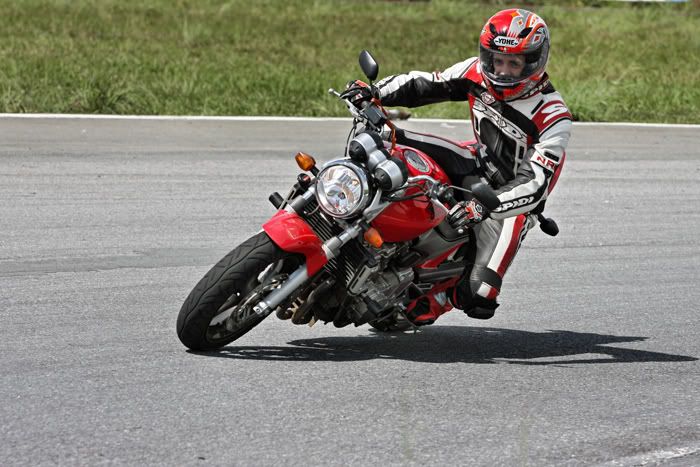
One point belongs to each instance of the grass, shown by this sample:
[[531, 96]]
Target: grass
[[616, 62]]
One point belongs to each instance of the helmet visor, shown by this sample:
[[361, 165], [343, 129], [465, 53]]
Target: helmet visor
[[509, 69]]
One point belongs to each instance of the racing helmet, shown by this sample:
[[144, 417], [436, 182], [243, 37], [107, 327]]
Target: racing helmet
[[513, 32]]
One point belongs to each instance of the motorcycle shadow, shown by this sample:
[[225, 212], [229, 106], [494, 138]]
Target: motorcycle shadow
[[455, 344]]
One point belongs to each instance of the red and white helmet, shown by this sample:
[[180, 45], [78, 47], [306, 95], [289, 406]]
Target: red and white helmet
[[514, 32]]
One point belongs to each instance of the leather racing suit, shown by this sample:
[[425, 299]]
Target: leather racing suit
[[519, 150]]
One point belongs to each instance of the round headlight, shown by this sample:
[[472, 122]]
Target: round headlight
[[342, 189]]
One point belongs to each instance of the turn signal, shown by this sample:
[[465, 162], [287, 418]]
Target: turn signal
[[373, 237], [304, 161]]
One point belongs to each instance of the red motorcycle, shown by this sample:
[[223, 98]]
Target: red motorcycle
[[352, 243]]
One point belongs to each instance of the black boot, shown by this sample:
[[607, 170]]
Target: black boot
[[475, 307], [479, 312]]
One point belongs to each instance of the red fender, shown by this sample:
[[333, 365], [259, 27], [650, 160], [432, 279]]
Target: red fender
[[291, 233]]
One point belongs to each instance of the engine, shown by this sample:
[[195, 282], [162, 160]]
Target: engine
[[377, 283], [389, 284]]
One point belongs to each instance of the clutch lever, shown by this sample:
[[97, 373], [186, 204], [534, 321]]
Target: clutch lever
[[351, 107]]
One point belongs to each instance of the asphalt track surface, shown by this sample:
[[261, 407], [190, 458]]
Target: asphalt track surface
[[107, 224]]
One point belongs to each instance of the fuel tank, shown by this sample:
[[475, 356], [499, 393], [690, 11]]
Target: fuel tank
[[405, 220]]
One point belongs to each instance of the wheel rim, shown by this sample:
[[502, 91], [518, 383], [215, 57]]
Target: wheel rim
[[236, 315]]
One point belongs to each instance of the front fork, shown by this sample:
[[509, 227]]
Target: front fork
[[265, 306], [291, 233]]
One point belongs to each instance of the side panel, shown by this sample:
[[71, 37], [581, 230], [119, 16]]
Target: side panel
[[436, 249], [291, 233], [438, 260]]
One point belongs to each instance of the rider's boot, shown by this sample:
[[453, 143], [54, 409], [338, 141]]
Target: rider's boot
[[475, 306], [428, 308]]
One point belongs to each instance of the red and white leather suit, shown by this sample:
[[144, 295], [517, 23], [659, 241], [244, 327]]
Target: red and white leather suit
[[519, 149]]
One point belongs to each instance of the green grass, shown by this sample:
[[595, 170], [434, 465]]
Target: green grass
[[243, 57]]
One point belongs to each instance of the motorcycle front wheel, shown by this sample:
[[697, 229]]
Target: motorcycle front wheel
[[219, 309]]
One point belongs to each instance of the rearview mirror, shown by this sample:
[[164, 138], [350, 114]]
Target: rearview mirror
[[369, 65]]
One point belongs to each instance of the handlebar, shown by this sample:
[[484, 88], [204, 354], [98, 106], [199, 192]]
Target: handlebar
[[445, 192], [356, 113], [371, 113], [438, 190]]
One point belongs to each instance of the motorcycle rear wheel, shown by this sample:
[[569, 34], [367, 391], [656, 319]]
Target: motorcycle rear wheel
[[232, 284]]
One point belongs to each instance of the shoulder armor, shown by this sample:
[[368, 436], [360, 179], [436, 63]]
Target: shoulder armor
[[550, 111]]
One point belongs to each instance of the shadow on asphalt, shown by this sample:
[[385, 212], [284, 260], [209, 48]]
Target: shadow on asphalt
[[451, 344]]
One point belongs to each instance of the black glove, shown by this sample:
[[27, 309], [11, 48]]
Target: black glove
[[467, 213], [358, 92]]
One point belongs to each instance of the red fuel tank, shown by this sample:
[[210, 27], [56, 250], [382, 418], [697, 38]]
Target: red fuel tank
[[405, 220]]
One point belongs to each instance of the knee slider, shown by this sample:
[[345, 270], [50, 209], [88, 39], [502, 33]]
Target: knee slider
[[484, 285], [466, 299], [481, 308]]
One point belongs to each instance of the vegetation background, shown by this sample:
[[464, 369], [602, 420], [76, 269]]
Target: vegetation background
[[612, 61]]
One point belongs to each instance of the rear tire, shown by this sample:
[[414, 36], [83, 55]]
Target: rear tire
[[233, 282]]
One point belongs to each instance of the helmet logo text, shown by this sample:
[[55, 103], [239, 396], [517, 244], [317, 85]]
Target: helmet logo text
[[502, 41]]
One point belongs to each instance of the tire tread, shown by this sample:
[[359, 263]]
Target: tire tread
[[231, 273]]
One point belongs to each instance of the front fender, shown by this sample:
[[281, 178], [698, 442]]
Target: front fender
[[291, 233]]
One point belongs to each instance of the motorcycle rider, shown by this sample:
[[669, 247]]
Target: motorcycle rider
[[522, 127]]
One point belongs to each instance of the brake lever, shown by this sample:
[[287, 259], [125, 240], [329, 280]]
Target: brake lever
[[354, 111]]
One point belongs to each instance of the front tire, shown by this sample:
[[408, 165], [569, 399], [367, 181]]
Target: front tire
[[232, 284]]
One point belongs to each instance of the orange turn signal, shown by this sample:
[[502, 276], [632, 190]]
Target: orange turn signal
[[304, 161], [373, 237]]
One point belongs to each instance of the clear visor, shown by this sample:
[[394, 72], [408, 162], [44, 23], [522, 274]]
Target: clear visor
[[507, 69]]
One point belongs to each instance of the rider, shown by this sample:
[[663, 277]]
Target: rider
[[522, 127]]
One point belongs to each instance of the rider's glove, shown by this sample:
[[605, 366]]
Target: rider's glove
[[358, 92], [467, 213]]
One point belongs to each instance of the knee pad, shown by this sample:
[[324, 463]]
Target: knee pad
[[477, 295], [464, 298]]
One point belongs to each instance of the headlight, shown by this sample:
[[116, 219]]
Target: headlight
[[342, 189]]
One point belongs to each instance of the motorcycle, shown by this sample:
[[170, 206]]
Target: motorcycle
[[354, 242]]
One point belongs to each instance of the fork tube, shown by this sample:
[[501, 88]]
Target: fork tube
[[277, 296], [298, 277]]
